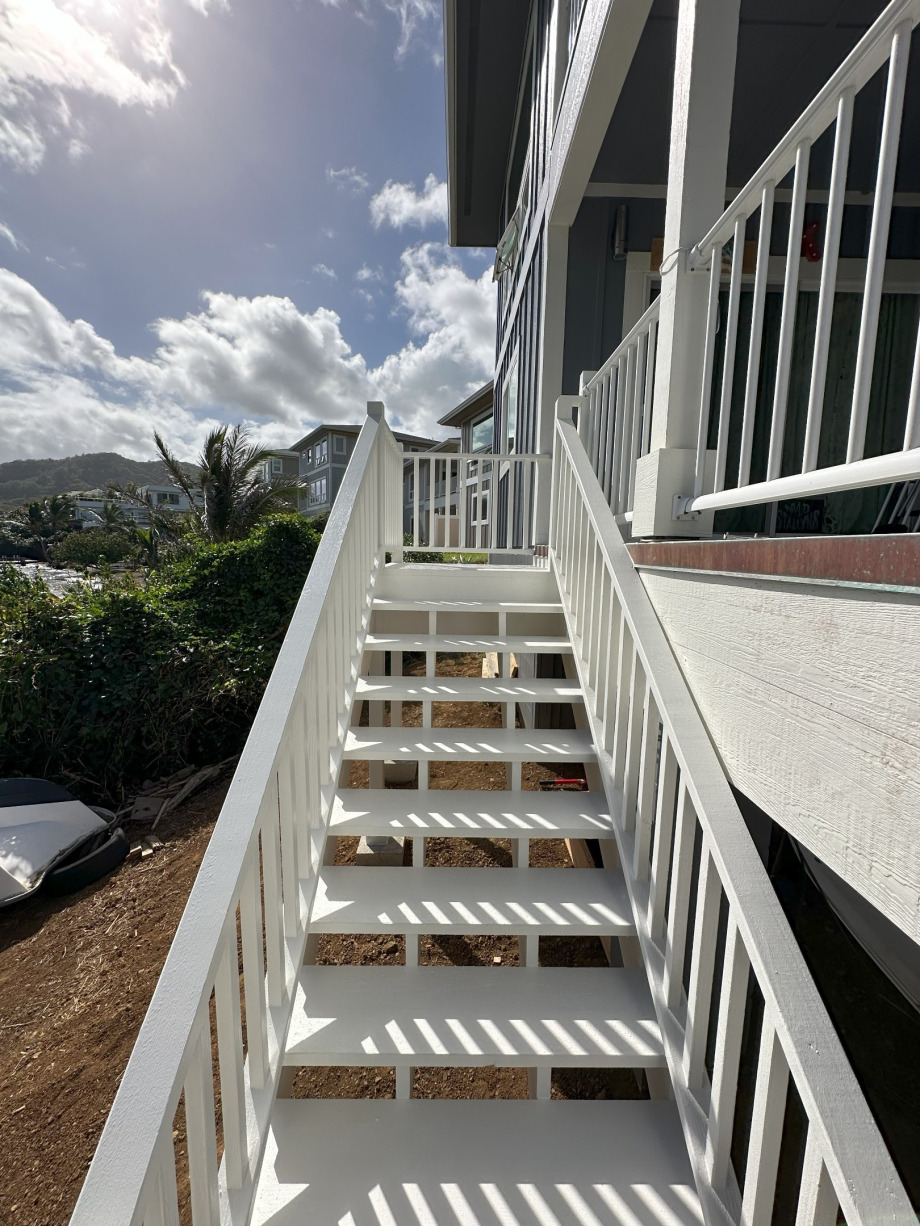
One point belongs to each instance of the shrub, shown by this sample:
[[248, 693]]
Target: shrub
[[87, 547], [102, 689]]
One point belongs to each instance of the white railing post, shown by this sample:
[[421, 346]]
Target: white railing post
[[704, 78]]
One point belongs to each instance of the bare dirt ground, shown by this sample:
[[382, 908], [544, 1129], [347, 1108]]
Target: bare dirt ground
[[77, 974]]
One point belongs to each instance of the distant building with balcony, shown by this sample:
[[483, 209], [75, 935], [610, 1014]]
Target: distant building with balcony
[[323, 457]]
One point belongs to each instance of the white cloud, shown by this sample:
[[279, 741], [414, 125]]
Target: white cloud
[[419, 22], [64, 389], [399, 204], [365, 274], [51, 50], [325, 271], [7, 233], [348, 178]]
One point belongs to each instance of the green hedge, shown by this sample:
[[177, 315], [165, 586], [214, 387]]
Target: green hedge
[[87, 547], [102, 689]]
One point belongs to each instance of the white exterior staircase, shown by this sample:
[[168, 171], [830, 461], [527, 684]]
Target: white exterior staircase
[[682, 898], [418, 1160]]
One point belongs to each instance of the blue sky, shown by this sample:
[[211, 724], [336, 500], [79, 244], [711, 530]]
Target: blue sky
[[226, 211]]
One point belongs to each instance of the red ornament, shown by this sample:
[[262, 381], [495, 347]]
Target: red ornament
[[809, 243]]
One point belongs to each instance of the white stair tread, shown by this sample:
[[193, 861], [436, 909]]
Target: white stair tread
[[418, 1162], [459, 604], [469, 744], [519, 643], [557, 901], [468, 689], [398, 811], [461, 1015]]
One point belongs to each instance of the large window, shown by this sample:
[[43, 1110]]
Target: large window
[[481, 434], [321, 452], [510, 406], [316, 492]]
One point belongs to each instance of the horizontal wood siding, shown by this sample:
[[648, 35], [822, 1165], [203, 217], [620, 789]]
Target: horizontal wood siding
[[810, 695]]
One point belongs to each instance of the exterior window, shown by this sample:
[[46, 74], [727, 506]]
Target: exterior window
[[167, 499], [316, 492], [510, 406], [338, 445], [308, 457], [321, 452], [276, 465], [481, 434]]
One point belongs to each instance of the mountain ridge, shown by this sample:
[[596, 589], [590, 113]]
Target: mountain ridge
[[24, 480]]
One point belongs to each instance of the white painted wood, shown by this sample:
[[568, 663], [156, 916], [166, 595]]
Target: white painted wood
[[574, 902], [702, 968], [766, 1129], [858, 1164], [122, 1184], [830, 255], [201, 1135], [817, 1203], [622, 1163], [808, 694], [726, 1060], [679, 899], [546, 1016], [755, 337], [230, 1063], [607, 39], [468, 643], [468, 744], [704, 77], [788, 314], [878, 238]]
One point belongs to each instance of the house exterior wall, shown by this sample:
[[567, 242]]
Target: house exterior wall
[[809, 693]]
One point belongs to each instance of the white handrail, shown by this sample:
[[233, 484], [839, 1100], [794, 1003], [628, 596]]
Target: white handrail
[[615, 410], [669, 795], [269, 832], [888, 39]]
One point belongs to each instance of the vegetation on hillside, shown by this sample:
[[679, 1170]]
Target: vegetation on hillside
[[106, 687], [125, 679], [27, 480]]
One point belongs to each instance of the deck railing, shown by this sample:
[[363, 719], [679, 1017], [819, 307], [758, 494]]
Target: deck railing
[[476, 502], [886, 42], [708, 920], [615, 414], [219, 1015]]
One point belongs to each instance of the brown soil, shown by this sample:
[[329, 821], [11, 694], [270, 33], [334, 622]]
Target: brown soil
[[77, 974]]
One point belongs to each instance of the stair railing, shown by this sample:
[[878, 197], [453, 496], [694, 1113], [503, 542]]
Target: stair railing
[[887, 41], [615, 414], [475, 502], [219, 1016], [716, 944]]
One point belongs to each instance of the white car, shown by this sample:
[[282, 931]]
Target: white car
[[48, 837]]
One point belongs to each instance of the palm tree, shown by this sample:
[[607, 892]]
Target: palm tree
[[43, 520], [113, 517], [226, 488]]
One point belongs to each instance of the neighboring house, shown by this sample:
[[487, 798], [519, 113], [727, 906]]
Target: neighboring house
[[282, 463], [168, 497], [88, 506], [324, 455]]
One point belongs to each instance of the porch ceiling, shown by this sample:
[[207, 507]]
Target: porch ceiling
[[786, 52]]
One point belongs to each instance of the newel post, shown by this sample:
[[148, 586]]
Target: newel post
[[387, 513], [704, 81]]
